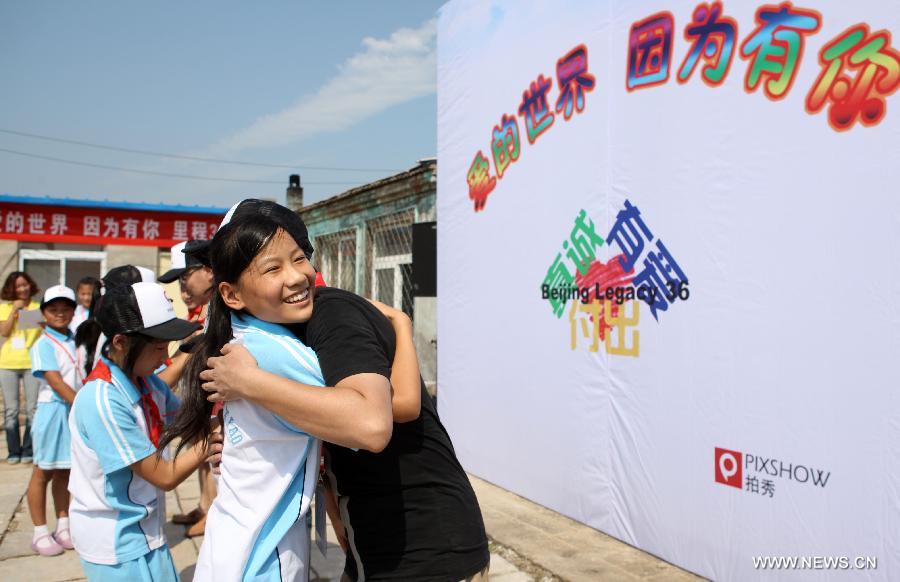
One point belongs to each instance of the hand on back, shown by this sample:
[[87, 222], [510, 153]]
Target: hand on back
[[224, 376]]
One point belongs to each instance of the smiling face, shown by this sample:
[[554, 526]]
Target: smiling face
[[23, 289], [198, 283], [186, 297], [84, 295], [278, 286], [58, 314]]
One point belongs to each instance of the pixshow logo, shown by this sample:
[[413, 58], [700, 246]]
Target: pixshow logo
[[728, 468], [759, 474]]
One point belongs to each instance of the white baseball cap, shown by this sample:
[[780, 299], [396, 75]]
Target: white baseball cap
[[178, 264], [58, 292], [142, 308]]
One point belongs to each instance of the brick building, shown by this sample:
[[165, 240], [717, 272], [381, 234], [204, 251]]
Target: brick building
[[364, 243]]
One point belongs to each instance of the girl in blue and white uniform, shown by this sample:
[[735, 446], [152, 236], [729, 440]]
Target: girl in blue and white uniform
[[119, 474], [57, 364], [258, 526]]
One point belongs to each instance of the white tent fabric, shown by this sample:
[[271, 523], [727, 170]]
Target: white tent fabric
[[758, 417]]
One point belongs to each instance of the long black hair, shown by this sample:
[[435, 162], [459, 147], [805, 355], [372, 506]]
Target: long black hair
[[88, 332], [231, 252]]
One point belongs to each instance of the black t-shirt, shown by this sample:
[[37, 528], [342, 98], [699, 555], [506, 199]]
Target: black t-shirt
[[410, 511]]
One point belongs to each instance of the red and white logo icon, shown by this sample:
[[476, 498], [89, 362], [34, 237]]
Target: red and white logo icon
[[729, 468]]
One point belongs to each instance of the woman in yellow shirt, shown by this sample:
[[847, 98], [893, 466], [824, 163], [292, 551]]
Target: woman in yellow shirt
[[15, 363]]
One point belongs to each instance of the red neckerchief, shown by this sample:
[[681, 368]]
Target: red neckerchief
[[100, 372], [151, 413], [148, 405], [196, 314]]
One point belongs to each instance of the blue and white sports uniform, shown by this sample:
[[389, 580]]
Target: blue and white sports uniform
[[258, 527], [54, 352], [115, 515], [82, 313]]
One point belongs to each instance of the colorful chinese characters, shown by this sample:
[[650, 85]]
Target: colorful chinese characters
[[581, 249], [607, 297], [876, 68], [480, 181], [505, 143], [535, 109], [661, 277], [860, 69], [649, 51], [574, 82], [587, 320], [601, 318], [617, 340], [775, 48], [712, 37]]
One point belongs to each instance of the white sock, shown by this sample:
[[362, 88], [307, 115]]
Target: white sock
[[62, 523], [40, 531]]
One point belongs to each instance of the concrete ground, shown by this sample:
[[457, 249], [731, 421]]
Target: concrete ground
[[19, 562], [550, 546], [528, 542]]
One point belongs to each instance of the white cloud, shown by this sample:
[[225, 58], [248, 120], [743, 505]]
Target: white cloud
[[386, 73]]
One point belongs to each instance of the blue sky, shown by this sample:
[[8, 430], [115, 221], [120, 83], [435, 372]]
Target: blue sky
[[345, 84]]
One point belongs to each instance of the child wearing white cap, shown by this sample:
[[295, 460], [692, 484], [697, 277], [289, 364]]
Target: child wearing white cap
[[119, 474], [57, 364], [88, 333]]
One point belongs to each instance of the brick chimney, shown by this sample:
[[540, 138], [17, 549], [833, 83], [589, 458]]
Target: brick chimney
[[294, 193]]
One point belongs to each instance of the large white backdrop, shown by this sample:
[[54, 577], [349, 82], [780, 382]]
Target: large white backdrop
[[758, 417]]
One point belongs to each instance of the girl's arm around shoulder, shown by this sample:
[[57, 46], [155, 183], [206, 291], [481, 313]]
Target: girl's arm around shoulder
[[406, 381], [355, 413]]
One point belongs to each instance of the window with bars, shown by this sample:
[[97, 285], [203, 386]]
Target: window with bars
[[389, 260], [335, 258]]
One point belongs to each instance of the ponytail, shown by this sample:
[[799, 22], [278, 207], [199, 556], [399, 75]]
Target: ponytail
[[88, 332], [191, 422], [87, 335], [231, 252]]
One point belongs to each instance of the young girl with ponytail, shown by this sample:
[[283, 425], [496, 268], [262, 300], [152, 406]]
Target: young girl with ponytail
[[257, 528], [119, 471]]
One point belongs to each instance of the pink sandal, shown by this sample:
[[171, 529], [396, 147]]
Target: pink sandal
[[64, 538], [47, 546]]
